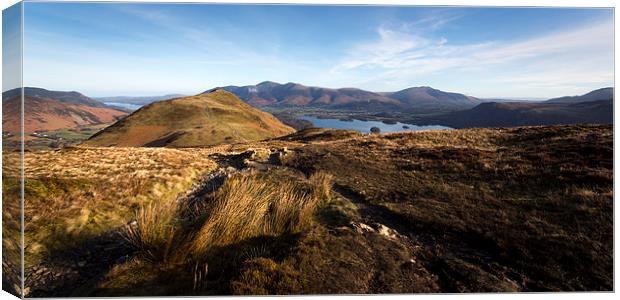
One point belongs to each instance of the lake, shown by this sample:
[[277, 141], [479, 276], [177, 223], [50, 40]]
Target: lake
[[364, 126], [124, 105]]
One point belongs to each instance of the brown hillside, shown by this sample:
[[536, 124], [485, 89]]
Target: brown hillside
[[45, 114], [202, 120]]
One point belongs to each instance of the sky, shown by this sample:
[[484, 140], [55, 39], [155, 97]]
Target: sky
[[11, 44], [108, 49]]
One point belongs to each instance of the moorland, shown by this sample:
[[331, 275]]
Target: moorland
[[208, 195]]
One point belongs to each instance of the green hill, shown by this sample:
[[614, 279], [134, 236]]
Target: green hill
[[202, 120]]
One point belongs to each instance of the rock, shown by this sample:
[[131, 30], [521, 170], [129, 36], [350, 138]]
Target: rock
[[361, 228], [386, 231], [375, 130], [250, 156], [279, 156]]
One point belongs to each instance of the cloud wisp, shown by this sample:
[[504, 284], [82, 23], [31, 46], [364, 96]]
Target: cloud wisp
[[401, 56]]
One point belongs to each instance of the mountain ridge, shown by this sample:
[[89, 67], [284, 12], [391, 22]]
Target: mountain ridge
[[593, 107], [72, 97], [138, 100], [605, 93], [49, 110], [273, 94]]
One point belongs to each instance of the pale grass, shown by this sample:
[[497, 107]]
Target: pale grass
[[153, 233], [249, 206], [99, 188], [246, 206]]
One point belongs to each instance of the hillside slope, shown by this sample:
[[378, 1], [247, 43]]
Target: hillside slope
[[206, 119], [61, 96], [47, 114], [427, 97], [509, 114], [600, 94]]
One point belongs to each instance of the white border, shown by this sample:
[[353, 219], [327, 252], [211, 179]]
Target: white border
[[510, 3], [557, 3]]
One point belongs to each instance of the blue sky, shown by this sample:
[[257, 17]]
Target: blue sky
[[11, 43], [104, 49]]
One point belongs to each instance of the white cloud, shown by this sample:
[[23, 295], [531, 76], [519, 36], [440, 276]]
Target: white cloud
[[572, 57]]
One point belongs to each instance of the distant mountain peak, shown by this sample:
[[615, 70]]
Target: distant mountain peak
[[213, 90], [267, 82], [270, 93], [598, 94], [62, 96]]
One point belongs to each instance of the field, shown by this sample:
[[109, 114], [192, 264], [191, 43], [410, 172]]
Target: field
[[52, 139], [325, 211]]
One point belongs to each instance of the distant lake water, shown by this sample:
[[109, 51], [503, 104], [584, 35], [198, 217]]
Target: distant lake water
[[364, 126], [124, 105]]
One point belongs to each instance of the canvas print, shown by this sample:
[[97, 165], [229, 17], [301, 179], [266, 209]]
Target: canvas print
[[188, 149]]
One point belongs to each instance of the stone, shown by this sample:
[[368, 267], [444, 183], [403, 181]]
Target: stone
[[361, 228], [385, 231]]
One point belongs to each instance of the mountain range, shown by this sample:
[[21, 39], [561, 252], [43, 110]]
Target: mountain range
[[600, 94], [71, 97], [273, 94], [593, 107], [51, 110], [206, 119], [138, 100]]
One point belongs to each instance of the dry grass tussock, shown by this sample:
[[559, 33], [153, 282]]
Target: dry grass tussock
[[154, 233], [246, 206]]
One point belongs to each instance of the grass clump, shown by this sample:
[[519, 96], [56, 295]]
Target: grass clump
[[252, 205], [154, 230], [243, 226]]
